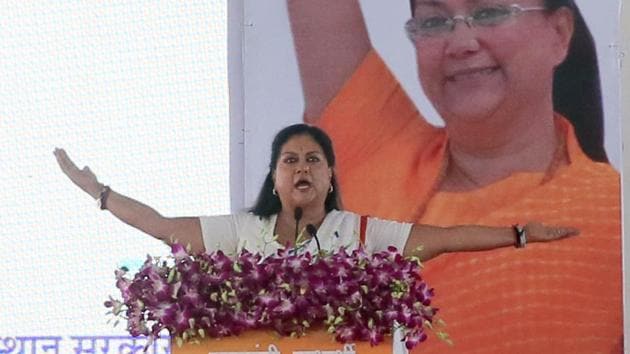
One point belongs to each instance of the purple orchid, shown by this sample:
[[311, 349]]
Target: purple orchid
[[357, 296]]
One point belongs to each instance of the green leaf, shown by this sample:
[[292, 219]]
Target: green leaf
[[415, 259], [443, 336], [237, 267]]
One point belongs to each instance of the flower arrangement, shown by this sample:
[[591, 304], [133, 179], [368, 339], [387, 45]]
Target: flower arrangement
[[354, 295]]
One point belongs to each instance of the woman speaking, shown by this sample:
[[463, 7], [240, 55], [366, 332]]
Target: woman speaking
[[300, 194]]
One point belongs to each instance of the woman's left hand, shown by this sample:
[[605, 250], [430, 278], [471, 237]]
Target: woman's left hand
[[537, 232]]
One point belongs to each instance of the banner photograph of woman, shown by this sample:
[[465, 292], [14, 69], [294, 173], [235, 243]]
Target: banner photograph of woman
[[517, 85]]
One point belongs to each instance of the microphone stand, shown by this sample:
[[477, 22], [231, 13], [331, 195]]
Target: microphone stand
[[313, 232], [297, 215]]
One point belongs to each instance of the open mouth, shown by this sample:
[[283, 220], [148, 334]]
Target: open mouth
[[302, 185], [471, 73]]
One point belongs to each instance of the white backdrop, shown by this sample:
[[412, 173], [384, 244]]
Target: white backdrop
[[138, 91]]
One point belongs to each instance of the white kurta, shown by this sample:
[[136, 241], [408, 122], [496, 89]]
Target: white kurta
[[231, 233]]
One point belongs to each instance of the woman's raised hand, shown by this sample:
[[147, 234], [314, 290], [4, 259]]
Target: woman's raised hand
[[84, 178], [537, 232], [186, 230]]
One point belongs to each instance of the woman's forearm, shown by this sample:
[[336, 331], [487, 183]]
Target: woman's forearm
[[185, 230], [427, 242]]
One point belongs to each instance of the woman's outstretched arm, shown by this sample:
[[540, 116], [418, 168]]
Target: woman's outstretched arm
[[427, 241], [185, 230]]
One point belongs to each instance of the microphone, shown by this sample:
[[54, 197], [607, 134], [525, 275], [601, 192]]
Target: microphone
[[297, 215], [313, 232]]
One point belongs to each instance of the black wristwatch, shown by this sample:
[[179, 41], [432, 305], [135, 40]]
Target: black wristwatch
[[521, 236]]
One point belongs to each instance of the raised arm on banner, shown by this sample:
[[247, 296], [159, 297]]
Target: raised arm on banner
[[330, 40]]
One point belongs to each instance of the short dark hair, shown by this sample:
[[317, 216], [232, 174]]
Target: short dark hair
[[267, 203], [576, 85]]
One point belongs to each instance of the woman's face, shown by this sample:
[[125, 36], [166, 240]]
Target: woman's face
[[302, 176], [471, 73]]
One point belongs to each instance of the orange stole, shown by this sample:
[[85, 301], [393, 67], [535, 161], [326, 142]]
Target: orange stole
[[260, 340]]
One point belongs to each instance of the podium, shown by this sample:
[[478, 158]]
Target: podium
[[267, 341]]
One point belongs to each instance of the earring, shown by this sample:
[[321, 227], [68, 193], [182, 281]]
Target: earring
[[331, 189], [273, 191]]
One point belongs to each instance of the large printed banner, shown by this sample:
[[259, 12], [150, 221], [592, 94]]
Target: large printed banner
[[452, 122], [272, 91]]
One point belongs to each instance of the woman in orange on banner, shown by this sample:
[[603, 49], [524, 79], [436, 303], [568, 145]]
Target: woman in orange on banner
[[516, 83]]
